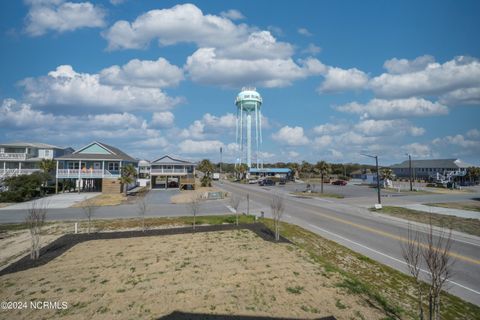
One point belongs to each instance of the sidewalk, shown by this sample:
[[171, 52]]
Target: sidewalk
[[445, 211], [57, 201]]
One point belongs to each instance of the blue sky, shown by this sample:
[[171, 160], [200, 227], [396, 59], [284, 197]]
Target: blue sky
[[338, 78]]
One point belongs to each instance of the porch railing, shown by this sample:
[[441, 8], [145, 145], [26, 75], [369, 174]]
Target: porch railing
[[85, 173], [14, 156]]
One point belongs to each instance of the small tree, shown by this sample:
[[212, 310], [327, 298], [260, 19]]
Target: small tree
[[277, 206], [35, 219], [207, 168], [194, 205], [234, 203], [142, 210], [88, 208], [323, 169], [412, 254], [439, 263], [127, 176]]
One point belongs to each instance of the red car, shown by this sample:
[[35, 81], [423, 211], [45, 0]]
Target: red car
[[339, 183]]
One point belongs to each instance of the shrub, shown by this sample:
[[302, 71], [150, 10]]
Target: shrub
[[23, 187]]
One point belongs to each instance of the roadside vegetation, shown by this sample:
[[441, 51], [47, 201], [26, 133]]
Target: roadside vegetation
[[464, 205], [470, 226], [318, 194], [354, 275]]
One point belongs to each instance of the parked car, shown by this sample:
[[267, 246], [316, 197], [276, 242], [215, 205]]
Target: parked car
[[267, 182], [253, 181], [282, 182], [339, 183]]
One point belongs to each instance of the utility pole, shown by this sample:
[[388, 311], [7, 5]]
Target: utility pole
[[378, 176], [221, 152], [410, 170], [248, 203]]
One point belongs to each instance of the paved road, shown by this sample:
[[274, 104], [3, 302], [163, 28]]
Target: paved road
[[371, 234]]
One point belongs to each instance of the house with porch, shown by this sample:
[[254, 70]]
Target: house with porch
[[24, 157], [172, 172], [95, 167]]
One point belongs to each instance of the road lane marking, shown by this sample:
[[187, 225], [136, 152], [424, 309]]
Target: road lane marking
[[386, 255], [372, 230]]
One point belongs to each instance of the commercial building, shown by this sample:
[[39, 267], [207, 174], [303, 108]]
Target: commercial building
[[25, 157], [441, 170], [283, 173], [95, 167]]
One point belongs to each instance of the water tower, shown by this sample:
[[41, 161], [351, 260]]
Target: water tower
[[248, 104]]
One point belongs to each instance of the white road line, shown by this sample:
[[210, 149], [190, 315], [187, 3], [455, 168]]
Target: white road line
[[386, 255], [231, 209]]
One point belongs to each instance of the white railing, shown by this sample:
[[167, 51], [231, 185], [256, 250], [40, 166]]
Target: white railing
[[84, 173], [14, 156], [4, 173], [162, 170]]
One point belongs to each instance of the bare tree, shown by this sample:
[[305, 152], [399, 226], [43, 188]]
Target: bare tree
[[277, 206], [35, 219], [194, 206], [142, 210], [234, 203], [433, 251], [436, 255], [88, 208], [412, 254]]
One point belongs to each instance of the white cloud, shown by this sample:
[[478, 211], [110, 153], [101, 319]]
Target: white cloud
[[322, 141], [265, 155], [143, 73], [293, 154], [21, 115], [418, 150], [380, 108], [117, 2], [336, 154], [401, 66], [66, 87], [292, 136], [388, 127], [468, 96], [232, 14], [227, 121], [338, 79], [304, 32], [474, 134], [205, 67], [163, 119], [181, 23], [312, 49], [60, 16], [330, 128], [434, 79], [200, 147], [457, 140], [194, 131]]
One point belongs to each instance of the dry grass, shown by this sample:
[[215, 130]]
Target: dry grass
[[230, 272], [319, 195], [464, 205], [104, 200], [5, 204], [186, 195], [471, 226]]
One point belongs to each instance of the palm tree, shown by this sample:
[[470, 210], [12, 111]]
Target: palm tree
[[294, 167], [242, 170], [207, 168], [47, 166], [323, 168], [473, 173], [127, 176], [306, 169], [386, 174]]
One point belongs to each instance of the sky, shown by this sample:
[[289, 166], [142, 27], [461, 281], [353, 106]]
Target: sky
[[337, 78]]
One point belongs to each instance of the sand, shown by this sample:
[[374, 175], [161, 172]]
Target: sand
[[229, 272]]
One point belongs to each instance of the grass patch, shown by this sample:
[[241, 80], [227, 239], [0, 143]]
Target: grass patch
[[295, 290], [464, 205], [104, 200], [377, 284], [471, 226], [319, 195]]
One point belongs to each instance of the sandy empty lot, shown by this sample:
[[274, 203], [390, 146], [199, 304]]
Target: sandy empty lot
[[229, 272]]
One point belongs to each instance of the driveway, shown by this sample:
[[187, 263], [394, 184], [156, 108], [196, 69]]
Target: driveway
[[156, 197], [57, 201]]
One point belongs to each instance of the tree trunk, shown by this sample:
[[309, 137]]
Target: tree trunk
[[321, 191]]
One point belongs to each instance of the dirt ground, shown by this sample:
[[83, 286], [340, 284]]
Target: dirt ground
[[185, 196], [104, 200], [228, 272]]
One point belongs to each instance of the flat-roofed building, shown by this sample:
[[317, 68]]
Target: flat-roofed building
[[432, 169]]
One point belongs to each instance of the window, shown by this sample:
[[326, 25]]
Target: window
[[113, 166]]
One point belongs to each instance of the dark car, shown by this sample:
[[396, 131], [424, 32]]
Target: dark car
[[267, 182], [339, 183], [282, 182]]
